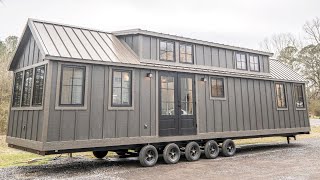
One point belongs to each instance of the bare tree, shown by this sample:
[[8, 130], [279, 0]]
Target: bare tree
[[277, 42], [312, 29]]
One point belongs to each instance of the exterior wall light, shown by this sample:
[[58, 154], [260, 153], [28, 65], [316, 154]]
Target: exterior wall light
[[204, 79], [149, 75]]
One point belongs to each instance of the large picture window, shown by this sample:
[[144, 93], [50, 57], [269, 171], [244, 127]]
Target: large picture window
[[121, 88], [38, 86], [166, 51], [72, 85], [299, 98], [27, 87], [281, 95], [254, 63], [186, 53], [17, 88], [241, 61], [217, 87]]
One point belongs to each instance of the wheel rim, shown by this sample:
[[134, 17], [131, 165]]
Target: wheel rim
[[193, 151], [230, 148], [150, 156], [173, 154], [212, 150]]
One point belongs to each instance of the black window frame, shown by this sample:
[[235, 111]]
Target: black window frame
[[185, 53], [173, 52], [19, 94], [285, 106], [34, 85], [236, 60], [296, 96], [251, 55], [130, 90], [223, 86], [83, 87], [27, 102]]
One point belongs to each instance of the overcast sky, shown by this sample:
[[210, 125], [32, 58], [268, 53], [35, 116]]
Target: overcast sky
[[242, 23]]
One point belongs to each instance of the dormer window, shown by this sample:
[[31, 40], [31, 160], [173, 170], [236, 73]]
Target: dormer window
[[254, 63], [166, 50], [186, 53], [241, 61]]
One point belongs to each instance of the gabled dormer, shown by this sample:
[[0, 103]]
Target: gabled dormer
[[153, 47]]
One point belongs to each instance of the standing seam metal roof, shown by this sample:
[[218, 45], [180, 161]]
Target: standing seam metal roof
[[280, 71], [75, 42], [66, 41]]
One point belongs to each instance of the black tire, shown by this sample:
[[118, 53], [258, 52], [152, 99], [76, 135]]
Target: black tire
[[228, 148], [211, 149], [148, 156], [171, 153], [192, 151], [100, 154]]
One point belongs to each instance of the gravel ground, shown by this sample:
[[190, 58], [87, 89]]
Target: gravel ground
[[314, 122], [298, 160]]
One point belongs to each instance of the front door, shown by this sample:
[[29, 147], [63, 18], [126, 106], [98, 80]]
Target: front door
[[177, 104]]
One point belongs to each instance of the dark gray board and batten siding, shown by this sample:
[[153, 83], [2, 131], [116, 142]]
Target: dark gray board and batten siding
[[27, 124], [250, 105], [202, 54], [97, 122]]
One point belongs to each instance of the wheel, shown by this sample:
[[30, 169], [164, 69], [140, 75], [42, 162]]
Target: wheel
[[100, 154], [192, 151], [211, 149], [171, 153], [148, 156], [228, 148]]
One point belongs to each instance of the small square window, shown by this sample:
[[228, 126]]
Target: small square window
[[217, 87], [186, 53], [72, 85], [254, 63], [121, 88], [241, 61], [166, 51]]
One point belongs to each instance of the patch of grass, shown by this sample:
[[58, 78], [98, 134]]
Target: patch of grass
[[315, 133]]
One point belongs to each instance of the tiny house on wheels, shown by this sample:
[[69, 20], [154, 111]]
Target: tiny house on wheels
[[77, 89]]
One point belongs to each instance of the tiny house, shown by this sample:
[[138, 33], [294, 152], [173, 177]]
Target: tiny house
[[77, 89]]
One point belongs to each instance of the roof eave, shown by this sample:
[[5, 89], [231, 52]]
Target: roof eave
[[180, 38]]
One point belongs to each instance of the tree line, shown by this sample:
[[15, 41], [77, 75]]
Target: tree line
[[303, 55]]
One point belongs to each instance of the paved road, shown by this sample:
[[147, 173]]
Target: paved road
[[298, 160]]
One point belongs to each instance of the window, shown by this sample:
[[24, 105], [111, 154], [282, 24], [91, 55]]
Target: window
[[17, 88], [27, 87], [166, 51], [121, 88], [217, 87], [38, 86], [186, 53], [72, 85], [241, 61], [281, 96], [254, 63], [298, 93], [167, 95]]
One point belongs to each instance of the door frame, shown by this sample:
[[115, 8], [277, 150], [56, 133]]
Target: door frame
[[177, 104]]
